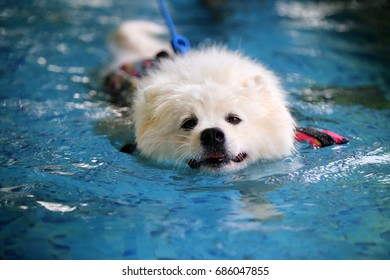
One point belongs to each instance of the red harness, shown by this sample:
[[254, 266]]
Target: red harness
[[319, 138]]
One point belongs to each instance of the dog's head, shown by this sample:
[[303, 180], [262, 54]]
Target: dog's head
[[208, 121]]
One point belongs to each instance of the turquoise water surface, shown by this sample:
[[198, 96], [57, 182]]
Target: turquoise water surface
[[67, 193]]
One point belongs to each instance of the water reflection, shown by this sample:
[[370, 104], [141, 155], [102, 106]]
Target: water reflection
[[368, 96], [334, 54]]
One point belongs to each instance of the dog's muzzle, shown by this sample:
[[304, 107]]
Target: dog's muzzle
[[215, 154]]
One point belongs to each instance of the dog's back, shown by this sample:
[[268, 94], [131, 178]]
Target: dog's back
[[133, 47], [134, 41]]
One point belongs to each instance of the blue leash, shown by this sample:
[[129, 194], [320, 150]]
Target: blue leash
[[180, 44]]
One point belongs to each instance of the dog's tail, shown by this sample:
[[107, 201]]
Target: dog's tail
[[137, 40]]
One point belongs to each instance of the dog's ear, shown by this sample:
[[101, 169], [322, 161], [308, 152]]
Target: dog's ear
[[265, 84], [150, 93], [255, 82]]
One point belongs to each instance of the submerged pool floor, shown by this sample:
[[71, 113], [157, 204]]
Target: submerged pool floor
[[67, 193]]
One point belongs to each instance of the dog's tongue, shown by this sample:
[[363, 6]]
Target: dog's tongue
[[216, 156], [213, 159]]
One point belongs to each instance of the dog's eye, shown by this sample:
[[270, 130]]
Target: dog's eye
[[233, 119], [189, 123]]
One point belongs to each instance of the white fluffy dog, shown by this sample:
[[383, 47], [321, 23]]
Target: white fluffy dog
[[210, 109]]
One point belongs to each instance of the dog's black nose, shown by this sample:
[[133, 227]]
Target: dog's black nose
[[213, 137]]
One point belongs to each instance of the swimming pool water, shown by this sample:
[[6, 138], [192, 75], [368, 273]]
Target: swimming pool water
[[67, 193]]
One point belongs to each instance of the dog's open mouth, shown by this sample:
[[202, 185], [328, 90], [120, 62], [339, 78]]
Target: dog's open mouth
[[216, 160]]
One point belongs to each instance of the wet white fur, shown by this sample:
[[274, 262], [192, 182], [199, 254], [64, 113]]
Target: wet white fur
[[209, 83]]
